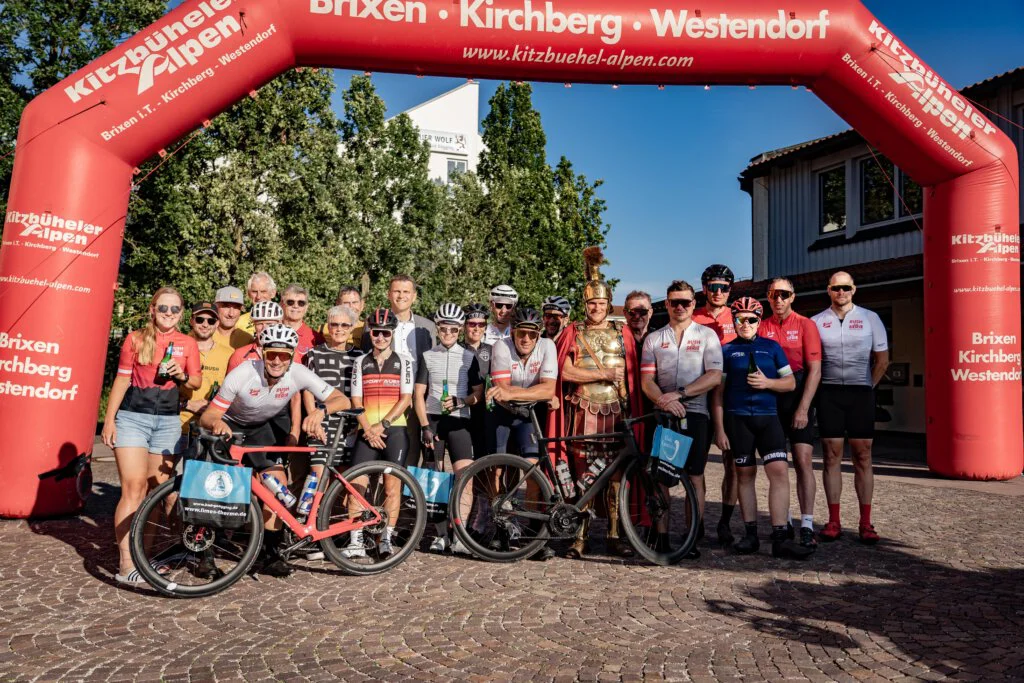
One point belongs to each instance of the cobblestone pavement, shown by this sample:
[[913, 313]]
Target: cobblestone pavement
[[939, 598]]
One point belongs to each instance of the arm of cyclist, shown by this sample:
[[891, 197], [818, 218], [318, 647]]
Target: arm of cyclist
[[420, 404], [718, 417], [313, 425], [813, 379], [879, 364], [212, 420], [117, 392], [667, 401], [503, 391]]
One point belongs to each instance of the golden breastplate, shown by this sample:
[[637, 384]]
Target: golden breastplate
[[606, 345]]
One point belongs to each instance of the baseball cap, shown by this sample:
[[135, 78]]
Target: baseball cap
[[204, 307], [229, 295]]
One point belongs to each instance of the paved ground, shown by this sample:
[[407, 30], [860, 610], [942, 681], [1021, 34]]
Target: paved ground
[[939, 598]]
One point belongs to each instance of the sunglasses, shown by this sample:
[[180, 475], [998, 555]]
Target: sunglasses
[[526, 334], [841, 288], [380, 333], [448, 330], [292, 302], [164, 308], [508, 306], [639, 312], [204, 320], [782, 294], [476, 325], [554, 315], [277, 356], [343, 326], [719, 289], [747, 320], [684, 303]]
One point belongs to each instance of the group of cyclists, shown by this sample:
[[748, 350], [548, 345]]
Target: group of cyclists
[[730, 375]]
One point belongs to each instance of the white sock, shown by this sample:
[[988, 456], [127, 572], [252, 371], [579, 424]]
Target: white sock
[[807, 521], [389, 531], [789, 517]]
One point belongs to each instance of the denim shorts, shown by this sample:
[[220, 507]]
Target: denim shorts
[[161, 434]]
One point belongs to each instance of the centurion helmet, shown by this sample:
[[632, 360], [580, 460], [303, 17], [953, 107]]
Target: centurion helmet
[[503, 294], [279, 337], [476, 312], [557, 303], [596, 287], [746, 304], [451, 314], [717, 271], [527, 318], [266, 310]]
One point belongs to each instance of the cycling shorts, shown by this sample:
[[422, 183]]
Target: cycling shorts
[[761, 433], [696, 429], [846, 411], [273, 432], [396, 448], [453, 432], [788, 403], [519, 428]]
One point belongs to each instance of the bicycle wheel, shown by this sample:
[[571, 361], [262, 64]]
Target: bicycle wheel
[[660, 522], [360, 551], [187, 561], [501, 532]]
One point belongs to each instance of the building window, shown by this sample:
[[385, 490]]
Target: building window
[[879, 202], [456, 166], [832, 200], [913, 197]]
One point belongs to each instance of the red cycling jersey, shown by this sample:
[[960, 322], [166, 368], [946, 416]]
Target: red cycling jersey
[[722, 323], [185, 352], [798, 337], [240, 355]]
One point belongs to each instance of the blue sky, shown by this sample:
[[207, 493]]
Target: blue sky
[[670, 158]]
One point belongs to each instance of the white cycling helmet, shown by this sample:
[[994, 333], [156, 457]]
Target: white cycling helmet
[[450, 313], [557, 303], [503, 294], [263, 311], [279, 337]]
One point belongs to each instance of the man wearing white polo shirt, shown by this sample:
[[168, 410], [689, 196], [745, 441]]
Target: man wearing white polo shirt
[[854, 356]]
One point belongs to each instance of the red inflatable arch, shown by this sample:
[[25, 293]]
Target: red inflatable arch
[[80, 141]]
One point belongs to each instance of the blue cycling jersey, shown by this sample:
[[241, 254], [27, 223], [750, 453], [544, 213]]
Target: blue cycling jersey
[[740, 397]]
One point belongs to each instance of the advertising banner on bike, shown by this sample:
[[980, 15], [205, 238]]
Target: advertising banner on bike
[[437, 489], [671, 449], [215, 495]]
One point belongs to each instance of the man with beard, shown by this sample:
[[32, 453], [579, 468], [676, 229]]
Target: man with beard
[[214, 360]]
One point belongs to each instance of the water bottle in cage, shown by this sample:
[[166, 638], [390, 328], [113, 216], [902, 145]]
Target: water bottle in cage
[[565, 478]]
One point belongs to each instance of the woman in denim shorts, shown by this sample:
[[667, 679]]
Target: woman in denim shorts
[[142, 424]]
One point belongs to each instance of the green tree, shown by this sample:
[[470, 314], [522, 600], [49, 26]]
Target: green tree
[[42, 42], [580, 224]]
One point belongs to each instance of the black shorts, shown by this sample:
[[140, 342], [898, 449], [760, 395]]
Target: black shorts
[[396, 448], [696, 429], [788, 403], [273, 432], [750, 433], [453, 432], [846, 411]]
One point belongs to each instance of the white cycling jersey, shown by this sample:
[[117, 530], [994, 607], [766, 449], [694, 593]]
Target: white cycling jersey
[[847, 344], [676, 365], [541, 364], [247, 399]]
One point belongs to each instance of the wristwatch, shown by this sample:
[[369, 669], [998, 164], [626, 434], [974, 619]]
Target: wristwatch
[[320, 405], [385, 423]]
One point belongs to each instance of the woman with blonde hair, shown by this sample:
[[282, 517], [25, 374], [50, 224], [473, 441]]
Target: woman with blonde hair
[[142, 424]]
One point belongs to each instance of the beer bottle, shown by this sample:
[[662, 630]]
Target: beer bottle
[[161, 372], [213, 391], [488, 383], [444, 397], [751, 364]]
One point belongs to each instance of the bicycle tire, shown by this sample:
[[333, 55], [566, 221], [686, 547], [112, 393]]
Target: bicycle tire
[[637, 475], [184, 564], [408, 530], [478, 473]]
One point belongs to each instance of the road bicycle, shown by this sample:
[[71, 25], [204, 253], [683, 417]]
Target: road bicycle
[[188, 561], [528, 506]]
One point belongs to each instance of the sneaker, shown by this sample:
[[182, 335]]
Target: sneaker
[[206, 569], [790, 531], [790, 549], [355, 545], [276, 567], [807, 538], [748, 545], [311, 553], [868, 535], [831, 531], [458, 547], [439, 544], [500, 542], [544, 554], [386, 548], [725, 536]]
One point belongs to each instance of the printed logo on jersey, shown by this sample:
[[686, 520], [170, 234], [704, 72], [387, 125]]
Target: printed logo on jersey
[[534, 367], [827, 324], [856, 324], [282, 392], [254, 392], [693, 345], [664, 344]]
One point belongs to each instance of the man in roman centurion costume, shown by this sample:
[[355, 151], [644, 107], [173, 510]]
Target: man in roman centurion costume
[[600, 386]]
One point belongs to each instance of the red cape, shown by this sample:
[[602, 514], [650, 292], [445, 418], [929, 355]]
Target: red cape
[[556, 425]]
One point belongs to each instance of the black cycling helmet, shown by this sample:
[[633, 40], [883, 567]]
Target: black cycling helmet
[[477, 312], [717, 271], [382, 319], [528, 318]]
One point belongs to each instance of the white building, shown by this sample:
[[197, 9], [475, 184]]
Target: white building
[[450, 122]]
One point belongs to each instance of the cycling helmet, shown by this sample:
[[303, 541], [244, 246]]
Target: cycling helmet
[[528, 318], [717, 271], [279, 337], [503, 294], [476, 311], [267, 310], [382, 319], [557, 303], [746, 304], [450, 313]]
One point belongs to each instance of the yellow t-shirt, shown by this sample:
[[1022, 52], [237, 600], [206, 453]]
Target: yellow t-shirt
[[236, 340], [245, 323], [215, 368]]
